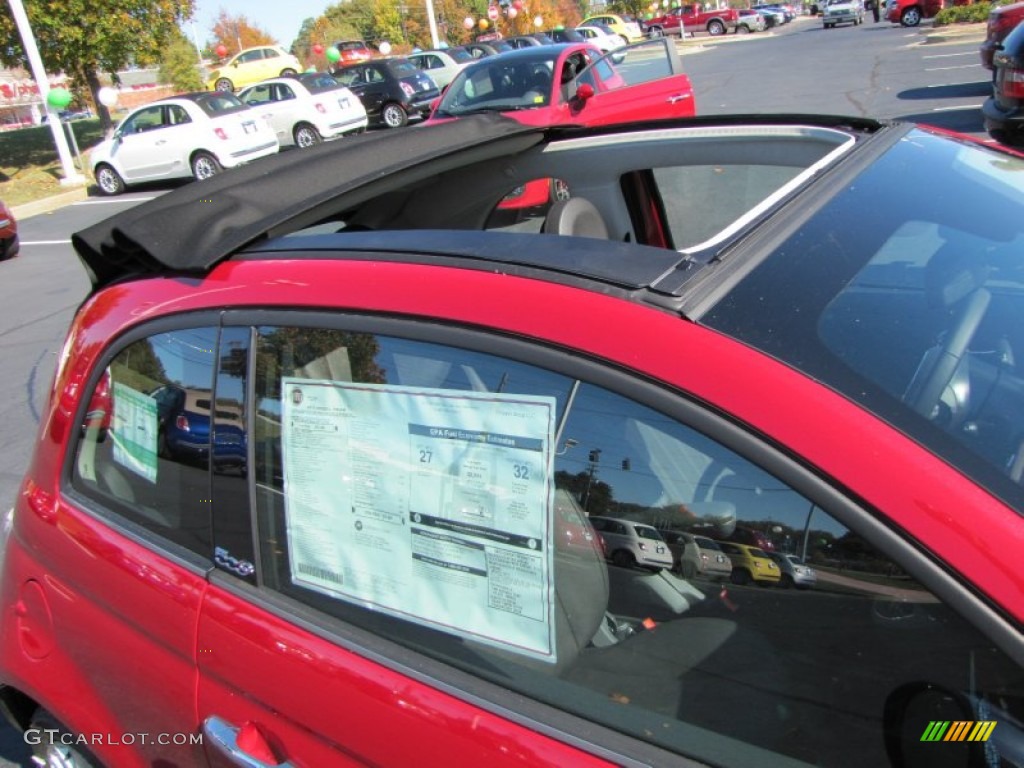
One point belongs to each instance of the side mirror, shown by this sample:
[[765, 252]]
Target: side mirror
[[584, 93]]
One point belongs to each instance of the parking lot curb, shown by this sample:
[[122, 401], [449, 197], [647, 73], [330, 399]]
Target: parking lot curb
[[957, 33], [51, 203]]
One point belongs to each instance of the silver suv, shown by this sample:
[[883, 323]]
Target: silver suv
[[843, 12], [631, 543]]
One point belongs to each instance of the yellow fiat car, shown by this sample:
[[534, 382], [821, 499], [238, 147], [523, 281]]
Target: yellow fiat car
[[750, 564], [251, 65], [625, 26]]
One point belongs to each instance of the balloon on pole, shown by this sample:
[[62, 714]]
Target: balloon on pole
[[333, 54], [538, 21], [221, 50], [512, 12], [384, 48], [468, 22], [107, 96], [58, 98], [483, 23], [318, 49]]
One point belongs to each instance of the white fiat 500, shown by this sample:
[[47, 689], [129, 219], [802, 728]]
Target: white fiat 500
[[192, 134], [306, 109]]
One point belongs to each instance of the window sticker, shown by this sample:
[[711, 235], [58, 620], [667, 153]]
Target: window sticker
[[135, 431], [428, 504]]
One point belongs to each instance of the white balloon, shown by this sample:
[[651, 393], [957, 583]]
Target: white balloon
[[384, 47], [107, 96]]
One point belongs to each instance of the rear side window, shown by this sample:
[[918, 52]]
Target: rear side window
[[144, 450]]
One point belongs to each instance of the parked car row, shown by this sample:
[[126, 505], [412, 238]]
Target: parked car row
[[200, 134], [631, 543]]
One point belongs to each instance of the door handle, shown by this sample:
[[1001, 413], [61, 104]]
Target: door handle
[[678, 97], [252, 752], [161, 141]]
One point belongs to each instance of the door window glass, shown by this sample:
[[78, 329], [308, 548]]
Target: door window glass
[[145, 444], [442, 498]]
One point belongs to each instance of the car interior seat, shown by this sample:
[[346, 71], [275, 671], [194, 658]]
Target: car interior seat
[[575, 216]]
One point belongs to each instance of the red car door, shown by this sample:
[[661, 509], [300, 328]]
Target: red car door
[[642, 82]]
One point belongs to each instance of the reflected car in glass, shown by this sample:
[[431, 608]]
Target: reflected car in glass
[[794, 571], [438, 405]]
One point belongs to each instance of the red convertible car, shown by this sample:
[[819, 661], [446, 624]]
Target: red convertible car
[[573, 84], [434, 407]]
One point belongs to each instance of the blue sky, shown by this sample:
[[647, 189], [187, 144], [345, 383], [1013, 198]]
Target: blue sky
[[281, 19]]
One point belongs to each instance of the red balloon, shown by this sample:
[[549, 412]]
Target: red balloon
[[318, 49], [222, 50], [517, 4]]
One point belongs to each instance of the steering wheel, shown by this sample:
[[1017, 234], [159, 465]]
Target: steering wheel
[[939, 364]]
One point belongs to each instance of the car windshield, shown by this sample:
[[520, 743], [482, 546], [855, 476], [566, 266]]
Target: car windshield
[[502, 84]]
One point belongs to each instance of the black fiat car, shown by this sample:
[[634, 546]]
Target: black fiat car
[[392, 90]]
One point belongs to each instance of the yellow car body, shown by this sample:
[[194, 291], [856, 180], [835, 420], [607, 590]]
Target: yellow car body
[[626, 27], [750, 564], [253, 65]]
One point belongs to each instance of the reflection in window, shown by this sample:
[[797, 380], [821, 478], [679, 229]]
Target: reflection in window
[[708, 664], [152, 458]]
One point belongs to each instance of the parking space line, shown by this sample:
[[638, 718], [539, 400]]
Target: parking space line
[[121, 200], [950, 55], [45, 242]]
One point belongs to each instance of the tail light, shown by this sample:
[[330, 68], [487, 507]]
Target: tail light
[[1012, 83], [182, 423], [407, 89], [221, 133], [320, 108]]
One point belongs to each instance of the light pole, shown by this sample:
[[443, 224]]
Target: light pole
[[595, 458], [71, 175]]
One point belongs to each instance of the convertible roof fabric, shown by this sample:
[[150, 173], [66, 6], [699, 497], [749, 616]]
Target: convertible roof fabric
[[198, 225]]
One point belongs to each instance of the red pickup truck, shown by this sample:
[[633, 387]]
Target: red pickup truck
[[690, 18]]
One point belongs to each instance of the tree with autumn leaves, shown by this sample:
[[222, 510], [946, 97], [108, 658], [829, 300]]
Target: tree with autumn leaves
[[405, 25], [87, 38]]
